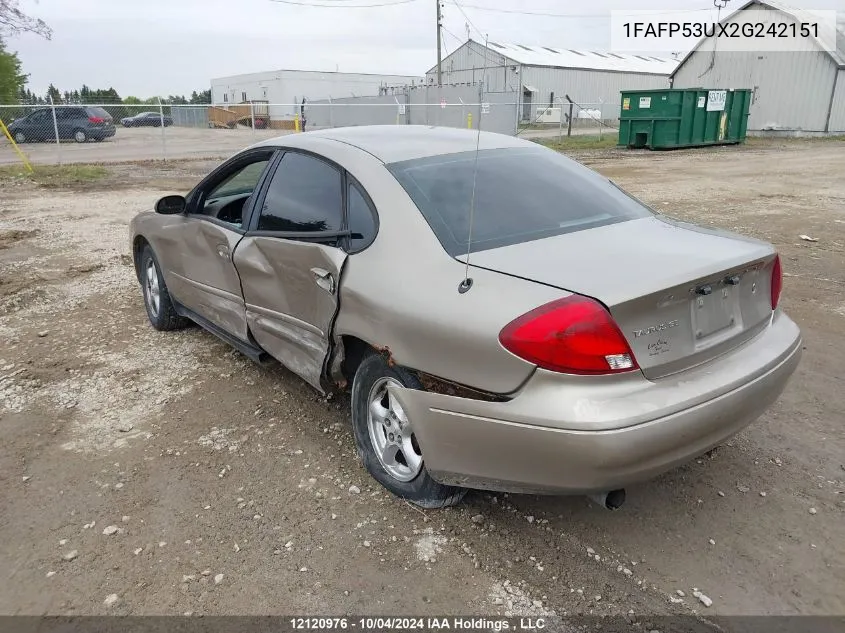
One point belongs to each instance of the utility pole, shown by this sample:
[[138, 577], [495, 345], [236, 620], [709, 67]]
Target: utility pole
[[439, 54]]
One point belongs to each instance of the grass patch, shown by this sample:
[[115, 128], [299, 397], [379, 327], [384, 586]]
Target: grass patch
[[580, 141], [762, 141], [55, 175]]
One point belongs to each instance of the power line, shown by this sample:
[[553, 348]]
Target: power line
[[463, 13], [343, 6], [456, 38], [569, 15]]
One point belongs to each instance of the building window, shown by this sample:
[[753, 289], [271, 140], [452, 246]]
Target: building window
[[225, 98], [243, 97]]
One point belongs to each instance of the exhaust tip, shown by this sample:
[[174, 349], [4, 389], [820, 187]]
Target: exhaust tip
[[611, 500]]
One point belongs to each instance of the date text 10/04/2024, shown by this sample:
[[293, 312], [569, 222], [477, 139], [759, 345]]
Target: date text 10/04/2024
[[420, 624]]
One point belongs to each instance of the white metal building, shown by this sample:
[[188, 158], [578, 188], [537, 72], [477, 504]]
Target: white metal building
[[543, 75], [792, 92], [288, 87]]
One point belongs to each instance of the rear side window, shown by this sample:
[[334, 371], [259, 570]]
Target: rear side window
[[98, 112], [520, 195], [305, 195], [67, 114], [360, 218]]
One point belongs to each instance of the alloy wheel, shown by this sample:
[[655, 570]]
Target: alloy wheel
[[152, 292], [391, 433]]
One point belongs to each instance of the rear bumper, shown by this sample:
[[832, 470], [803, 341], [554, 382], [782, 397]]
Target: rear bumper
[[603, 434]]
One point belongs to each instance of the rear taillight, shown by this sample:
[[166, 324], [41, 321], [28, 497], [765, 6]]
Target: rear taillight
[[575, 335], [777, 282], [96, 119]]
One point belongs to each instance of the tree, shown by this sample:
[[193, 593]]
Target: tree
[[54, 94], [12, 80], [203, 97], [13, 21]]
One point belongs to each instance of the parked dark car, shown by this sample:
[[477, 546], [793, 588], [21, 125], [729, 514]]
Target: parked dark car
[[152, 119], [79, 123]]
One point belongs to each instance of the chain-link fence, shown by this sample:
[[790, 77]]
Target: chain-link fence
[[570, 118], [100, 133]]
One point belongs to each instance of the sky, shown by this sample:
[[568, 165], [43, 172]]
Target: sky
[[161, 47]]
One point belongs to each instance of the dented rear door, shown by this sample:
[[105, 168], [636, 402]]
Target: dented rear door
[[290, 263]]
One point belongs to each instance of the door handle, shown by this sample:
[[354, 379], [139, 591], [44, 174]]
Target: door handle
[[223, 251], [324, 279]]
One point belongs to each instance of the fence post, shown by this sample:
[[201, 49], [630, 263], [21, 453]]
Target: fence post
[[569, 123], [56, 132], [560, 121], [331, 113], [601, 117], [163, 136], [462, 109], [252, 117]]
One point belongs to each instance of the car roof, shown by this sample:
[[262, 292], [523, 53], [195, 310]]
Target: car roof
[[394, 143]]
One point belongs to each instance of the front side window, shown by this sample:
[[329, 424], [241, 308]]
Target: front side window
[[226, 200], [243, 181], [520, 195], [304, 195], [39, 117]]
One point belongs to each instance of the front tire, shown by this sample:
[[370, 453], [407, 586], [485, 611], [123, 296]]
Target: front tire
[[20, 137], [385, 438], [160, 310]]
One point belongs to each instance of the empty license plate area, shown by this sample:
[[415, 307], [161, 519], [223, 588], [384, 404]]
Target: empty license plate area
[[715, 311]]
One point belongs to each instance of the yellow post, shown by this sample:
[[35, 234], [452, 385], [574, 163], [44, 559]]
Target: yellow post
[[296, 122], [469, 120], [15, 146]]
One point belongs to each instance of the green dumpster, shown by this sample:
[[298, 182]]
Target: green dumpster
[[687, 117]]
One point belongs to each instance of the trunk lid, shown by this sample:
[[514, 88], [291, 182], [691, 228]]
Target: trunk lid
[[681, 294]]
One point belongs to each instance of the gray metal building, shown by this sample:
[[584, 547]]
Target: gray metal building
[[541, 75], [792, 92], [283, 89]]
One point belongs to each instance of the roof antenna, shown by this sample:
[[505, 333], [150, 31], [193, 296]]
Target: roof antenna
[[466, 284]]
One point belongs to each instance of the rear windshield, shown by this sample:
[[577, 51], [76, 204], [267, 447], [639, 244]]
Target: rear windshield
[[521, 194], [98, 112]]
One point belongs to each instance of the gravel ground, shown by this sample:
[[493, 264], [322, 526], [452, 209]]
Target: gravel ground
[[163, 473]]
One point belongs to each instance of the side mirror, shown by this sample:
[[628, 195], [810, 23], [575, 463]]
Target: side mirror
[[171, 205]]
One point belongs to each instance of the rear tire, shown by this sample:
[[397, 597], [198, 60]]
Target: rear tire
[[160, 310], [386, 442], [80, 136]]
